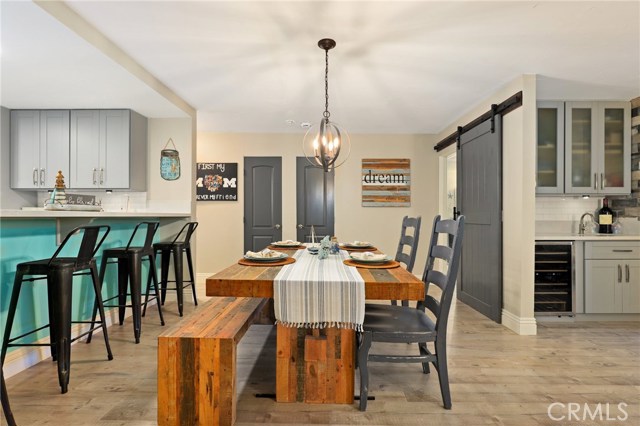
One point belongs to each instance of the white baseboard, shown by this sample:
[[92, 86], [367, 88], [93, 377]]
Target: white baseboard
[[26, 356], [201, 277], [521, 325]]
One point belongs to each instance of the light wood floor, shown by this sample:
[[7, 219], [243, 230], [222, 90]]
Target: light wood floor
[[497, 378]]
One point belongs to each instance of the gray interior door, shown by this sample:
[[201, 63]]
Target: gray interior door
[[479, 199], [262, 201], [314, 197]]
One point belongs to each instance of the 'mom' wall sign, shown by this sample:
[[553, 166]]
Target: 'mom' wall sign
[[386, 182]]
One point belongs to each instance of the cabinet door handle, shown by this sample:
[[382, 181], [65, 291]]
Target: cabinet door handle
[[42, 177], [622, 251], [595, 181], [94, 176], [101, 176], [601, 180], [35, 176], [626, 270], [619, 273]]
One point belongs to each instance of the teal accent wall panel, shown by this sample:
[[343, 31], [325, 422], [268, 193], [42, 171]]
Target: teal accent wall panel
[[23, 240]]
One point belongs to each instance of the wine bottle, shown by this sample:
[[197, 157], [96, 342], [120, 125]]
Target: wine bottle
[[605, 218]]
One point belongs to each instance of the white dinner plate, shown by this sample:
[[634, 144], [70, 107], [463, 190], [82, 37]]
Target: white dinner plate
[[286, 243], [357, 244], [280, 256], [376, 258]]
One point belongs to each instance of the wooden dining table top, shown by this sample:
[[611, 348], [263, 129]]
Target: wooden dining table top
[[257, 281]]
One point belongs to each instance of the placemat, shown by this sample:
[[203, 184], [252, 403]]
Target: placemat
[[358, 249], [388, 265], [272, 247], [285, 261]]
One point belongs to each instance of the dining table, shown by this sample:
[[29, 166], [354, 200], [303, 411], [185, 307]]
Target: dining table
[[314, 365]]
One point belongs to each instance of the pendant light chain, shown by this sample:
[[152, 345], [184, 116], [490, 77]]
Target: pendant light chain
[[326, 113]]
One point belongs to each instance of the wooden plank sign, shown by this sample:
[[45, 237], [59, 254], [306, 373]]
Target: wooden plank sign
[[386, 182]]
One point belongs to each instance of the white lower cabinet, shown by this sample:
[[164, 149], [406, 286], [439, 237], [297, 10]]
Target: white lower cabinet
[[612, 277]]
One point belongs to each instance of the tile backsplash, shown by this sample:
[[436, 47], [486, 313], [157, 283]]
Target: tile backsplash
[[111, 202], [564, 209]]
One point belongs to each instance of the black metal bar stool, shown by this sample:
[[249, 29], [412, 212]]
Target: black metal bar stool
[[59, 273], [175, 249], [129, 260]]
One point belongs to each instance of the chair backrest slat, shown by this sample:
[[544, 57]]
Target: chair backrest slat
[[453, 230], [152, 227], [432, 304], [447, 226], [410, 241], [189, 227], [89, 244], [437, 278], [442, 252]]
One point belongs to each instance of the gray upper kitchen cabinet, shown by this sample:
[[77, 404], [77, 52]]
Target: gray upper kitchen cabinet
[[597, 148], [550, 148], [108, 149], [39, 147]]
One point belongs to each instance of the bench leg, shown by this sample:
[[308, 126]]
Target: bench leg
[[186, 393]]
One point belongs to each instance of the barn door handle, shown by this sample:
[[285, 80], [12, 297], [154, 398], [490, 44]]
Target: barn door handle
[[277, 226], [456, 213], [300, 226]]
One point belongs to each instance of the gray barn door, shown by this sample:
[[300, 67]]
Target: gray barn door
[[479, 199], [262, 201], [314, 200]]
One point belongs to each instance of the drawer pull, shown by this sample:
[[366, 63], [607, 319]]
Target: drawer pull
[[622, 251]]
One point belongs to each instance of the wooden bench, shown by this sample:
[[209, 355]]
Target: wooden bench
[[197, 362]]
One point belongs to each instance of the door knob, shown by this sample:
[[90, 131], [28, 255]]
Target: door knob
[[300, 226], [277, 226]]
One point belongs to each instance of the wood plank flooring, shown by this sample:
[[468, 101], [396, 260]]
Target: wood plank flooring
[[497, 378]]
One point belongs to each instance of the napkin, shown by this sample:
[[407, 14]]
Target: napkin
[[368, 256], [266, 253]]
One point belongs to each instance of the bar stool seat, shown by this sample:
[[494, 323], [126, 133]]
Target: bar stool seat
[[59, 273], [129, 260], [174, 249]]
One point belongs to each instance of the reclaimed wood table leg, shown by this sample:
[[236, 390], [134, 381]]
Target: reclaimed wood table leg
[[315, 366]]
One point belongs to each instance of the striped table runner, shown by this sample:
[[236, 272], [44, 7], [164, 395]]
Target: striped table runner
[[316, 293]]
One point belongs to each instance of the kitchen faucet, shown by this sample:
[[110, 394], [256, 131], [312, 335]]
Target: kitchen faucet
[[582, 225]]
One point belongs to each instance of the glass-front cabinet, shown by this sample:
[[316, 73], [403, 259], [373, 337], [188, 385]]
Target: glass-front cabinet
[[597, 148], [550, 148]]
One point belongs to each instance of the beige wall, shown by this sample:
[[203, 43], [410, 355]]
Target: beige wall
[[174, 194], [519, 127], [220, 241]]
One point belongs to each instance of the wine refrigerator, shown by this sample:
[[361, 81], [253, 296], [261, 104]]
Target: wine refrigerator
[[554, 278]]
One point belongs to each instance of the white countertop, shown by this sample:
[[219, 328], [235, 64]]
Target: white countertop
[[587, 237], [37, 213]]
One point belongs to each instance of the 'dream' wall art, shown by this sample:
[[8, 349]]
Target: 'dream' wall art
[[386, 182]]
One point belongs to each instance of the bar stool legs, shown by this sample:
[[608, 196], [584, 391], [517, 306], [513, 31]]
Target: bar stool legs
[[60, 293], [130, 283], [175, 252]]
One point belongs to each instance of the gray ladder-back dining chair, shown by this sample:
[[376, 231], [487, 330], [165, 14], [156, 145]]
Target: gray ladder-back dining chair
[[410, 242], [399, 324]]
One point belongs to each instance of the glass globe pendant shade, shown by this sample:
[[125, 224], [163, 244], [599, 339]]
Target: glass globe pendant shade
[[323, 144]]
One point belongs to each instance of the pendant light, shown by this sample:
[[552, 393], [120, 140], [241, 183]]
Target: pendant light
[[323, 143]]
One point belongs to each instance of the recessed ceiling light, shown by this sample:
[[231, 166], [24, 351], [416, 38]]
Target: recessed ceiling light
[[291, 122], [305, 124]]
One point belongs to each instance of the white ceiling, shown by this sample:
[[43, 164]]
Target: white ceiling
[[405, 67]]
